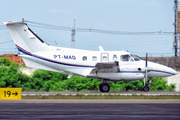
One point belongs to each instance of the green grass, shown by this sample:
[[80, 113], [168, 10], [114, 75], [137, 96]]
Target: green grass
[[78, 96]]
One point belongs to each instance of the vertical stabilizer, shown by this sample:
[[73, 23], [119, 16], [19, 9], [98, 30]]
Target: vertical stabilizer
[[24, 38]]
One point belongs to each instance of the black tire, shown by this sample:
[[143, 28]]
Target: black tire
[[146, 89], [104, 87], [100, 88]]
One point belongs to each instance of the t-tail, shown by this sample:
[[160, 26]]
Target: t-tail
[[30, 46], [24, 38]]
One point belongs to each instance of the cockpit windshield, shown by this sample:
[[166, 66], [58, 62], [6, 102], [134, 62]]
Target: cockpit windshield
[[126, 58], [135, 57], [130, 58]]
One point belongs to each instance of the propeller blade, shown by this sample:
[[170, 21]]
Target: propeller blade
[[145, 76], [146, 58]]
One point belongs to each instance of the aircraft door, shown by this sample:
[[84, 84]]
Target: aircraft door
[[104, 57]]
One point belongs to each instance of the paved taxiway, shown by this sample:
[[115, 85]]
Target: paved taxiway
[[97, 101], [84, 111], [100, 93], [114, 109]]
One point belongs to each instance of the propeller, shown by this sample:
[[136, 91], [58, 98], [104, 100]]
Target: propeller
[[145, 76]]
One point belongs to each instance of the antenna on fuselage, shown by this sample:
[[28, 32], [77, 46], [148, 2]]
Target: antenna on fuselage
[[22, 20], [73, 34], [101, 48]]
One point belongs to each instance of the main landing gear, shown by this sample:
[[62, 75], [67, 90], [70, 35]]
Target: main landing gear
[[146, 89], [104, 87]]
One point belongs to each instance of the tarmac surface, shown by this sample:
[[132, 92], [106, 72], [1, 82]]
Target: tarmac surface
[[96, 101], [100, 93], [90, 111]]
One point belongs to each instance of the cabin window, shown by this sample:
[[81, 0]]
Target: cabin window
[[84, 58], [126, 58], [114, 57], [94, 58], [105, 58]]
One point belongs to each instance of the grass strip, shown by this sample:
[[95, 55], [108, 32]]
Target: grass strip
[[79, 96]]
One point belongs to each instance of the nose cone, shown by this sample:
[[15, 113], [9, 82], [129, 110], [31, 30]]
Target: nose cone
[[158, 70], [172, 71], [166, 71]]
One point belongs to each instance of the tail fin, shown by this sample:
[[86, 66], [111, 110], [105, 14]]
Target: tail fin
[[24, 38]]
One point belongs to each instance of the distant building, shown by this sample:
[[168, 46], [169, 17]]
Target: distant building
[[13, 58]]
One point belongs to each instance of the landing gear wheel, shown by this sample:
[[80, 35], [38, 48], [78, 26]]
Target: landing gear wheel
[[104, 87], [100, 87], [146, 89]]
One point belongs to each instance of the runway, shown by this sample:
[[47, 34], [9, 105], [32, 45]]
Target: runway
[[84, 111], [100, 93], [96, 101], [88, 109]]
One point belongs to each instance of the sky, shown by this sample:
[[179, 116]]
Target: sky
[[112, 15]]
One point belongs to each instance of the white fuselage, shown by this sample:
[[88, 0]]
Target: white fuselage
[[81, 62]]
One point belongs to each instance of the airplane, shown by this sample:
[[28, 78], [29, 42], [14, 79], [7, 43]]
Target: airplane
[[104, 65]]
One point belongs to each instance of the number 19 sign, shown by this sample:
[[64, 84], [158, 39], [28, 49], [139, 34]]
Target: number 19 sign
[[10, 93]]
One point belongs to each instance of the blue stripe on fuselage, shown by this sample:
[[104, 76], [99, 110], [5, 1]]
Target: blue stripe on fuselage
[[27, 53], [143, 72]]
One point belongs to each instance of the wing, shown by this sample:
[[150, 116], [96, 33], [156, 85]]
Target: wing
[[106, 67]]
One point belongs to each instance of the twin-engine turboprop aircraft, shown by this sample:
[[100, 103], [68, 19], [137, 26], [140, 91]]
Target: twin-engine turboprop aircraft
[[104, 65]]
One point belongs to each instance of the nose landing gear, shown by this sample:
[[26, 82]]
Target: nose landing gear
[[149, 81], [146, 89]]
